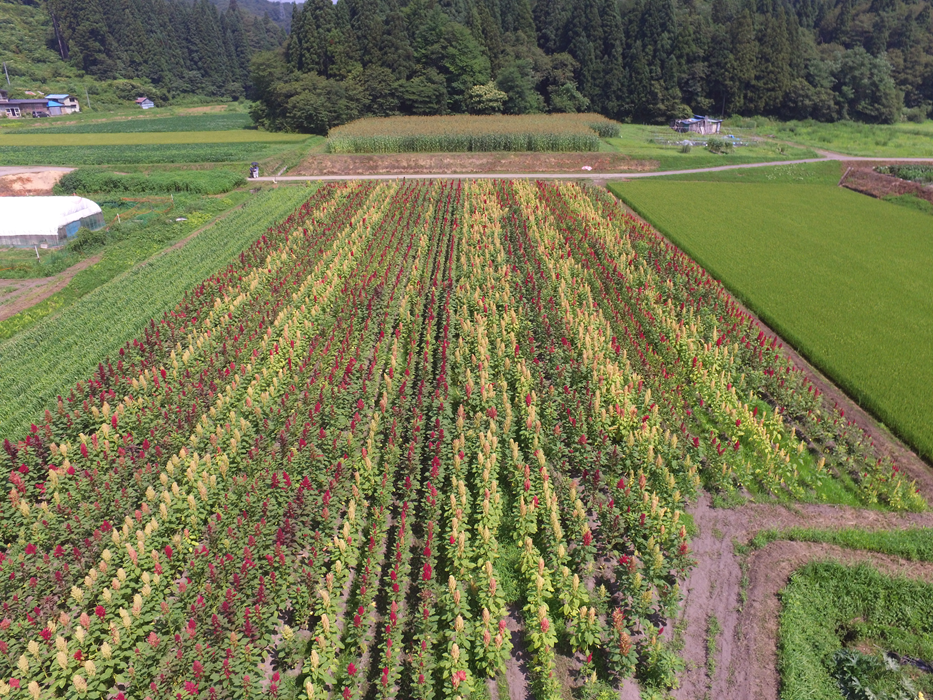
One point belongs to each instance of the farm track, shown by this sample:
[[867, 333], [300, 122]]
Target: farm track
[[30, 292], [747, 655]]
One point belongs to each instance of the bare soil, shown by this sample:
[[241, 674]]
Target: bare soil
[[37, 183], [468, 163], [746, 662], [860, 176]]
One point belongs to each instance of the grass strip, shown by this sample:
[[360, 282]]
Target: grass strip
[[914, 544]]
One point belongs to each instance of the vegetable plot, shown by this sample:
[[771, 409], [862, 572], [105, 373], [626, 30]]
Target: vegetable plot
[[310, 478]]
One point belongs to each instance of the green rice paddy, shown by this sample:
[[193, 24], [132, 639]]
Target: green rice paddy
[[843, 277]]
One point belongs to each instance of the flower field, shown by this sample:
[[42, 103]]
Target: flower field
[[539, 132], [307, 479]]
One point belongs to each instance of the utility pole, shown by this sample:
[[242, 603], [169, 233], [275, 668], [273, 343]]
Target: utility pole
[[88, 97], [7, 75]]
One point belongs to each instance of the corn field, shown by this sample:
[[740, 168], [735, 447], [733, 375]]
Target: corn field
[[463, 133]]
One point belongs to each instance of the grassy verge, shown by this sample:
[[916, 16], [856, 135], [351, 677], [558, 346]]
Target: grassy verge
[[915, 544], [843, 277], [838, 625], [36, 371]]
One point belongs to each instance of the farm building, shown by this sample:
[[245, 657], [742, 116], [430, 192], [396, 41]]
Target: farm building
[[27, 221], [697, 125], [145, 102], [66, 104], [32, 107]]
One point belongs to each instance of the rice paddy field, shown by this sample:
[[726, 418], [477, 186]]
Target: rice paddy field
[[843, 277], [462, 133], [222, 121]]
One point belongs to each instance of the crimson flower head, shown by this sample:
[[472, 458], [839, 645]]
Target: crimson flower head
[[427, 572], [30, 549], [191, 687], [100, 612], [351, 669], [168, 551]]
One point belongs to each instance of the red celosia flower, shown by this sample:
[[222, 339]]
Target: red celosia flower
[[351, 669], [100, 612]]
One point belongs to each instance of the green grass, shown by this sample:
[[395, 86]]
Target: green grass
[[141, 154], [911, 201], [221, 121], [641, 143], [48, 357], [915, 544], [845, 278], [35, 138], [91, 181], [829, 608], [822, 173], [905, 140]]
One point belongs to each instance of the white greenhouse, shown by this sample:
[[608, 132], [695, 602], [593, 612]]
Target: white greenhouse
[[27, 221]]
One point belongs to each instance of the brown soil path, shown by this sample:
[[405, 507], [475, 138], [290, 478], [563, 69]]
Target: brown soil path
[[30, 292], [746, 662]]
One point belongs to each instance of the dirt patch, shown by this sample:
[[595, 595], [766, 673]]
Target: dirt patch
[[860, 176], [747, 645], [202, 110], [30, 292], [469, 163], [38, 183]]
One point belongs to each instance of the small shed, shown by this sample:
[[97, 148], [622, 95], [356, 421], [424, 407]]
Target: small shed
[[697, 125], [145, 102], [69, 103], [28, 221]]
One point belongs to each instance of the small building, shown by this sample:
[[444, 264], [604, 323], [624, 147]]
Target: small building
[[69, 104], [33, 107], [697, 125], [28, 221], [145, 102]]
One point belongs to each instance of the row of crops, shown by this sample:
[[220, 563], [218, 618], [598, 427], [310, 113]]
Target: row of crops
[[90, 181], [408, 413], [46, 359], [123, 154], [222, 121], [463, 133]]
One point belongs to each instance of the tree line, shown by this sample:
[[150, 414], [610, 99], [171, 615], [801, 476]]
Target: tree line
[[178, 46], [633, 60]]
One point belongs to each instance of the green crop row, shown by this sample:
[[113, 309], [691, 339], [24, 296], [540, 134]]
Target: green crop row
[[87, 181], [914, 172], [833, 615], [200, 122], [460, 143], [915, 544], [138, 154], [48, 358]]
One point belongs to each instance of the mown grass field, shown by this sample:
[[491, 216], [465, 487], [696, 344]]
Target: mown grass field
[[843, 277]]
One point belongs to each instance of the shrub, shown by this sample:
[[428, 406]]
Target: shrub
[[88, 180]]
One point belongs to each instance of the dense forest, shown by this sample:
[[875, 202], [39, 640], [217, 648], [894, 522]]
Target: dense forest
[[634, 60], [178, 46]]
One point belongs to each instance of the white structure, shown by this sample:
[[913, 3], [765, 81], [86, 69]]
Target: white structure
[[27, 221]]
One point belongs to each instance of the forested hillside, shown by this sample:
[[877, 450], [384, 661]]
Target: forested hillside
[[278, 12], [163, 47], [639, 60]]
